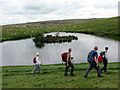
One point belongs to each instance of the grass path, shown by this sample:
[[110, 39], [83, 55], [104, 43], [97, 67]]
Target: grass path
[[52, 77]]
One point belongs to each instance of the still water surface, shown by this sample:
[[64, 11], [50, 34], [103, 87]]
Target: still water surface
[[21, 52]]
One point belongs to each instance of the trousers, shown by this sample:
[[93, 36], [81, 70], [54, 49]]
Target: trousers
[[105, 62], [70, 65], [93, 64], [37, 68]]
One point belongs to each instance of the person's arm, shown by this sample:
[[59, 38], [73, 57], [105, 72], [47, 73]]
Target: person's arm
[[96, 61], [67, 59], [95, 58]]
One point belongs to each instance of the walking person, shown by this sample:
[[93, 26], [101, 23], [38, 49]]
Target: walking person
[[104, 55], [37, 64], [92, 59], [66, 57]]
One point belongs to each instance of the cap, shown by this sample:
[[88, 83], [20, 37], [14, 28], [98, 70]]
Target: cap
[[37, 54]]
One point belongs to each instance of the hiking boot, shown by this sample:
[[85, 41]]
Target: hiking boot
[[105, 70], [85, 76], [72, 74], [100, 76], [32, 73], [40, 72], [65, 74]]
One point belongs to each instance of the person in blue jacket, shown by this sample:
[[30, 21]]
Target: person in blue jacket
[[92, 59]]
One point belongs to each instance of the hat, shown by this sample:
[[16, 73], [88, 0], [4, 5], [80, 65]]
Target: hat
[[37, 54]]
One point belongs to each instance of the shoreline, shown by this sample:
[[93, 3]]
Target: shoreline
[[53, 64], [108, 37]]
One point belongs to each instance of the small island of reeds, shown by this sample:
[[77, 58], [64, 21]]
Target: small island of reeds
[[40, 39]]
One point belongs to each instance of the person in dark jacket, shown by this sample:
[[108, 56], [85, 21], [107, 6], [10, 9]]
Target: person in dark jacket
[[105, 59]]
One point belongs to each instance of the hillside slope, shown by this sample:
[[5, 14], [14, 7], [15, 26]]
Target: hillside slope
[[100, 27]]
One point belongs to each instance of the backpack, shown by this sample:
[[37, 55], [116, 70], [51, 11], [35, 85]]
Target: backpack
[[100, 59], [90, 56], [34, 60], [102, 53], [64, 56]]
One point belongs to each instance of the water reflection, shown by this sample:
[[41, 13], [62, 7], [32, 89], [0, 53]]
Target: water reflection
[[38, 44]]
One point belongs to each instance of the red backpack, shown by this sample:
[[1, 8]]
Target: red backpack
[[64, 56], [100, 59], [34, 60]]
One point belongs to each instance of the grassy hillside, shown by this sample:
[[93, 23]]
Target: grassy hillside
[[53, 77], [100, 27]]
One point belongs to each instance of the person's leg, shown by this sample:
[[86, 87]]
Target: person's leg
[[98, 70], [72, 68], [34, 69], [38, 66], [89, 69], [66, 70], [103, 66]]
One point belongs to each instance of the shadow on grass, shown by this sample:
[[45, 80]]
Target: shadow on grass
[[78, 69], [110, 72], [92, 77], [113, 68]]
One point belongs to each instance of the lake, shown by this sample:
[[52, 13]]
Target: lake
[[21, 52]]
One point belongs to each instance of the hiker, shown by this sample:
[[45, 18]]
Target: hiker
[[92, 59], [105, 59], [66, 57], [37, 64]]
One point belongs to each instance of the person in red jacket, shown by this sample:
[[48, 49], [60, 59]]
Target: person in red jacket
[[69, 63]]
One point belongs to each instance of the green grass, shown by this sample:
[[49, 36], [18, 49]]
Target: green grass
[[100, 27], [52, 77]]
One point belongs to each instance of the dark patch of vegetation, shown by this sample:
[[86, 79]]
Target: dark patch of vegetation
[[40, 40]]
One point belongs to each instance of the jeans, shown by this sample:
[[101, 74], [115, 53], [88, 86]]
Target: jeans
[[93, 64], [37, 68]]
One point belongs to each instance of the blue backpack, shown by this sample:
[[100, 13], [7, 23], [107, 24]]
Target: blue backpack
[[90, 56]]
